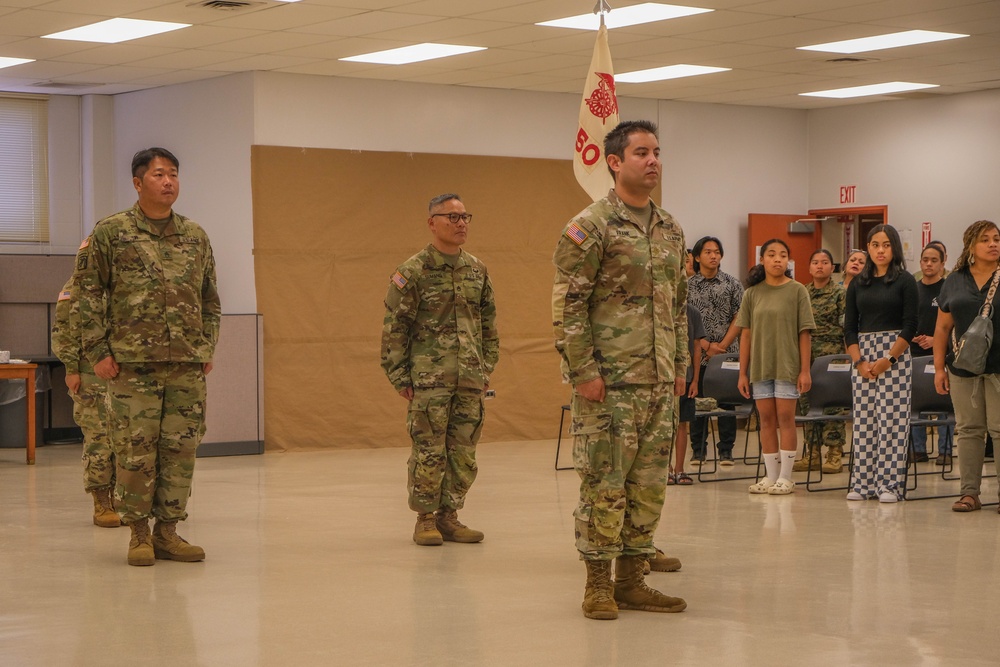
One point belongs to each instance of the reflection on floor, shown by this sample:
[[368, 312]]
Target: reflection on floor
[[310, 563]]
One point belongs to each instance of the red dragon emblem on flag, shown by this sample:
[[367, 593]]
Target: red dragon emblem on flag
[[602, 102]]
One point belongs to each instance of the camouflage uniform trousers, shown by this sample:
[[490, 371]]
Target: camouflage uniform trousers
[[444, 424], [90, 414], [621, 450], [818, 434], [157, 419]]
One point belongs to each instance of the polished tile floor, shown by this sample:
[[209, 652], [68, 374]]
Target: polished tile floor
[[310, 563]]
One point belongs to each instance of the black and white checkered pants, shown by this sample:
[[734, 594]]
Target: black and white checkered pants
[[881, 420]]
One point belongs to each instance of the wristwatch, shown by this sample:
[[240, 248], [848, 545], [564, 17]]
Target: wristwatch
[[860, 361], [892, 360]]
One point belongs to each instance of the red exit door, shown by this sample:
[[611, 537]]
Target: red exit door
[[803, 234]]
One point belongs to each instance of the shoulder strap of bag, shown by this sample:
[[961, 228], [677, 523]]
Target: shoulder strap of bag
[[988, 304]]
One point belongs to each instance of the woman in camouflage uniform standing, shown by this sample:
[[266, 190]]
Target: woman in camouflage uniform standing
[[827, 299]]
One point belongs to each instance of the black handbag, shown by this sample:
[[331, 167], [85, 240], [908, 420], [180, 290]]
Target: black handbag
[[974, 346]]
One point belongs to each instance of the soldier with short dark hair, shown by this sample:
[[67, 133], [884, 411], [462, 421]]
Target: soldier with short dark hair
[[620, 318], [439, 348], [150, 313]]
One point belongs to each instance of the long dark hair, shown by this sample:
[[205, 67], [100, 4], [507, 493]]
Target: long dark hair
[[897, 266], [757, 273]]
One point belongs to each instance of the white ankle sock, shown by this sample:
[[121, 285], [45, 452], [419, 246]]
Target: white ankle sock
[[771, 465], [787, 461]]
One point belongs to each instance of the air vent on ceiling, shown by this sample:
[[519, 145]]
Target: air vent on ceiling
[[60, 85], [226, 5], [852, 59]]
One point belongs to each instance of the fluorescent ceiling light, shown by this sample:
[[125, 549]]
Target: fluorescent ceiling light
[[113, 31], [647, 12], [413, 54], [10, 62], [873, 89], [890, 41], [668, 72]]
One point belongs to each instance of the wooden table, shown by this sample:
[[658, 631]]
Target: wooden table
[[24, 372]]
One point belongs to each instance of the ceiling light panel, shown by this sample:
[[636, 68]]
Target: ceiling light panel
[[873, 89], [117, 30], [413, 54], [668, 72], [10, 62], [879, 42], [647, 12]]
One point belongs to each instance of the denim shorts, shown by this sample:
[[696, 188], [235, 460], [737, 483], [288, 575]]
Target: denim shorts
[[775, 389]]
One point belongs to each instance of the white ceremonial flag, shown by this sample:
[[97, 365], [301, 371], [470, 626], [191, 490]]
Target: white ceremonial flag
[[598, 116]]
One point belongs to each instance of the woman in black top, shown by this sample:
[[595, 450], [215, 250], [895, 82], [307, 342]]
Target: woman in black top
[[928, 287], [879, 322], [976, 398]]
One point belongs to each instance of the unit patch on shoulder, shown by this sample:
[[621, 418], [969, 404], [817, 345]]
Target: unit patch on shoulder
[[86, 242], [576, 234], [65, 295], [399, 280]]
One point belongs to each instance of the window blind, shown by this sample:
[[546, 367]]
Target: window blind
[[24, 179]]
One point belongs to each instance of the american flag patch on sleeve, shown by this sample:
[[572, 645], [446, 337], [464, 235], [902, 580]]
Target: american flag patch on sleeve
[[576, 233], [399, 280], [64, 296]]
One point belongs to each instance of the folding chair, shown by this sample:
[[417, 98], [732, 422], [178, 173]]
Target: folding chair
[[924, 401], [831, 388], [720, 381]]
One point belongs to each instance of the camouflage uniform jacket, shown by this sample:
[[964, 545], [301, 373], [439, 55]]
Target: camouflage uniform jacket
[[66, 331], [162, 301], [619, 303], [828, 306], [440, 323]]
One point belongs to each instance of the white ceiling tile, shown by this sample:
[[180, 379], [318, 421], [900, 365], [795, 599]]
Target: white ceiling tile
[[120, 54], [284, 16], [189, 60], [199, 36], [271, 42], [367, 23], [34, 23], [263, 61], [449, 31]]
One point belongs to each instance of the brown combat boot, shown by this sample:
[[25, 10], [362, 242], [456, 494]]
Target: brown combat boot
[[661, 562], [454, 530], [140, 547], [598, 598], [168, 545], [833, 455], [631, 591], [425, 533], [804, 464], [104, 510]]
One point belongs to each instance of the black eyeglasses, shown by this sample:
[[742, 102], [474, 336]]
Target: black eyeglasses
[[453, 218]]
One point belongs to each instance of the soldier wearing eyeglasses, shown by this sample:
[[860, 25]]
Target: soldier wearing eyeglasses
[[439, 348]]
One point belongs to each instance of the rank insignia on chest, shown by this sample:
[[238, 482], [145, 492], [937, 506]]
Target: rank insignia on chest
[[399, 280], [576, 234], [65, 296]]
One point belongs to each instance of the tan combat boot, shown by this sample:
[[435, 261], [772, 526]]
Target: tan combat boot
[[661, 562], [631, 592], [140, 547], [598, 598], [833, 456], [104, 510], [805, 464], [168, 545], [425, 533], [454, 530]]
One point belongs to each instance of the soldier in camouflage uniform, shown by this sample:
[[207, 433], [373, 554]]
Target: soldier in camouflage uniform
[[88, 393], [150, 314], [439, 348], [827, 300], [619, 312]]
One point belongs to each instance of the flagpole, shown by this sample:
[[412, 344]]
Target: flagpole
[[602, 7]]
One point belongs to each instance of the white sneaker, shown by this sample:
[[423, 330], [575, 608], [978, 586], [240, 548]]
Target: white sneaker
[[782, 487], [887, 497], [854, 495], [763, 486]]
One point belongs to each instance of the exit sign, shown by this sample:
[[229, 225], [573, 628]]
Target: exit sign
[[847, 194]]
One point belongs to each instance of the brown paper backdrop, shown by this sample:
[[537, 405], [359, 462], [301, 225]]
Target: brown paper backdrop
[[330, 227]]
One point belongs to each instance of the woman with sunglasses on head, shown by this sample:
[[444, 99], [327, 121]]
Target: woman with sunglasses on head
[[976, 398], [880, 322]]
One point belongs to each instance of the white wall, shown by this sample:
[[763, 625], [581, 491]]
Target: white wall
[[208, 125], [721, 162], [935, 160]]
